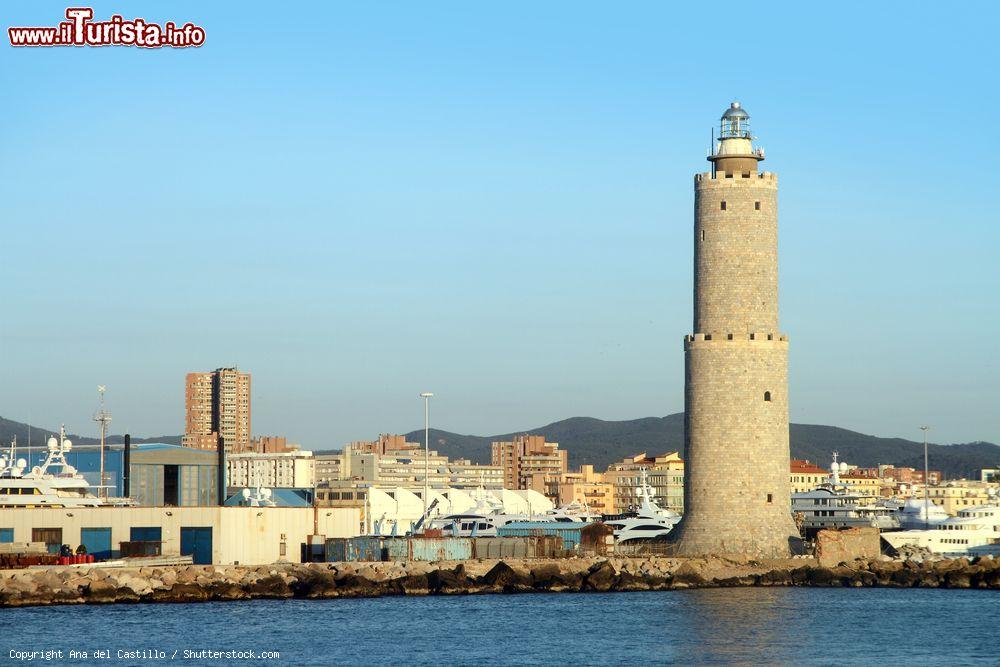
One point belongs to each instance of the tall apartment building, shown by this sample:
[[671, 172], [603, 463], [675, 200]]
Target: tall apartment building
[[528, 455], [217, 405]]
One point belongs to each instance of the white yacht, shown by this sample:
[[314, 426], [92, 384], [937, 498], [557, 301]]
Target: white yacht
[[480, 521], [974, 531], [55, 483], [920, 513], [650, 520], [832, 505], [571, 513]]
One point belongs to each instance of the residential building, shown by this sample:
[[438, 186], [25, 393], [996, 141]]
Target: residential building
[[958, 495], [282, 470], [806, 476], [386, 443], [525, 456], [910, 476], [664, 473], [217, 406], [272, 444], [392, 461], [584, 488]]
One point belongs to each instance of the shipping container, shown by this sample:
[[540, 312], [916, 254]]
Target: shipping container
[[537, 546], [428, 548], [568, 531], [350, 549], [396, 548]]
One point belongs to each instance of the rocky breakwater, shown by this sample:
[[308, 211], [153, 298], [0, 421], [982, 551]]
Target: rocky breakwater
[[77, 585]]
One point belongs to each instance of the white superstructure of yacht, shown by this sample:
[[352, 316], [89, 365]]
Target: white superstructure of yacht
[[573, 512], [832, 505], [974, 531], [650, 521], [55, 483], [921, 513]]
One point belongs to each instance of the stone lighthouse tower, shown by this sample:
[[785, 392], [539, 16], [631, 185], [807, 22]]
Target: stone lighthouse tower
[[737, 489]]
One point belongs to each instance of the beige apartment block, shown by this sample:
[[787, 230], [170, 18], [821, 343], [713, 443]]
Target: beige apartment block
[[217, 406], [584, 488], [391, 461], [664, 474], [528, 455], [737, 491], [959, 494]]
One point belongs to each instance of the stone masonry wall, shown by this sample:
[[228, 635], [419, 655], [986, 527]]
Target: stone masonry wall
[[834, 547], [736, 255], [737, 492]]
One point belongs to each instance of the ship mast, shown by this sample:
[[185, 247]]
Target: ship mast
[[103, 417]]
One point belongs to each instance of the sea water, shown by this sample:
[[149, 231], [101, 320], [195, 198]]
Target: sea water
[[750, 626]]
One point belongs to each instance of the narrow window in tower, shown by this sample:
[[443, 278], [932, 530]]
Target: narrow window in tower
[[767, 396], [723, 206], [703, 235], [770, 498], [756, 206]]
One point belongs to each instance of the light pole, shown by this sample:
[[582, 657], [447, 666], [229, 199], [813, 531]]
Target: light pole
[[927, 481], [427, 445]]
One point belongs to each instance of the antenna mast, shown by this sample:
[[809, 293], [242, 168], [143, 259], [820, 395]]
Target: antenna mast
[[102, 417]]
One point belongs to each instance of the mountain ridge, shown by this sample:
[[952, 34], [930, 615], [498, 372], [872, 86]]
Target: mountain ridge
[[601, 442]]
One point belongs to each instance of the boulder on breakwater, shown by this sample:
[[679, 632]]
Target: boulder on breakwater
[[194, 583]]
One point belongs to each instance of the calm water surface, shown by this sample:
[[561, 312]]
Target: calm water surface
[[800, 626]]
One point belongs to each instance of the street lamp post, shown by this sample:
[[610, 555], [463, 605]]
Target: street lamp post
[[927, 481], [427, 445]]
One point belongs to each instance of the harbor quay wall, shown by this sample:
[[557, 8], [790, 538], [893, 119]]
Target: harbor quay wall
[[194, 583]]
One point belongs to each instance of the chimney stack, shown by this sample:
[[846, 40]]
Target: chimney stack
[[126, 464]]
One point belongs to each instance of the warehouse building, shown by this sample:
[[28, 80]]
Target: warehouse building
[[218, 535]]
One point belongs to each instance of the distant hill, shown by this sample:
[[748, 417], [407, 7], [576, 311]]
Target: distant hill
[[600, 442], [9, 429]]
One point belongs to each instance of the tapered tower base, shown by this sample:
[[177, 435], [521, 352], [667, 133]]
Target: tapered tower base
[[736, 436]]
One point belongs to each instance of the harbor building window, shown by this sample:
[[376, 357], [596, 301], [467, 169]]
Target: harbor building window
[[756, 206], [723, 205], [767, 396]]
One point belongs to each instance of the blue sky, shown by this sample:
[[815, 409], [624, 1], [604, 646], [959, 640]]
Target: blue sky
[[358, 202]]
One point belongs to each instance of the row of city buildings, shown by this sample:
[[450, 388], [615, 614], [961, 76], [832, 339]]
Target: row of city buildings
[[217, 414]]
